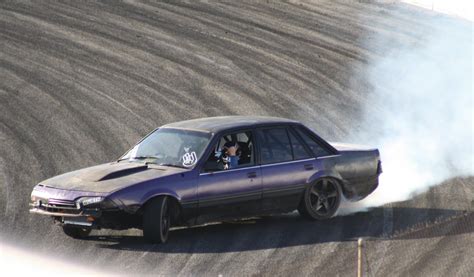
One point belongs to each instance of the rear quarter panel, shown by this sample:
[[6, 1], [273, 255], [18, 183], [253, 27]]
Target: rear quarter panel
[[358, 170]]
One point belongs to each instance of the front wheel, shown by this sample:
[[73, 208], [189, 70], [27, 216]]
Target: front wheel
[[321, 199], [76, 232], [157, 220]]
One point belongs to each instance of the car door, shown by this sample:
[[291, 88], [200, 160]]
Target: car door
[[231, 192], [286, 165]]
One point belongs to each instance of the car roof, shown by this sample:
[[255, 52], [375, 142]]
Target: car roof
[[221, 123]]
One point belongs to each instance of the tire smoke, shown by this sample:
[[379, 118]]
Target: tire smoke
[[25, 262], [420, 114]]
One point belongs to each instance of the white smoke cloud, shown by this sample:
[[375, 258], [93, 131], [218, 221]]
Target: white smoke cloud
[[23, 262], [421, 113], [461, 8]]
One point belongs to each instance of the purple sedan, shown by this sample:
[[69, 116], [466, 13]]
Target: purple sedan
[[210, 169]]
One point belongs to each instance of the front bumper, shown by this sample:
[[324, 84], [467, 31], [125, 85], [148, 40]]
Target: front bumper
[[66, 207], [85, 213], [81, 219], [67, 212], [63, 208]]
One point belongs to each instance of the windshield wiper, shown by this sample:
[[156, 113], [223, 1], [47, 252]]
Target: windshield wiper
[[172, 165], [144, 157]]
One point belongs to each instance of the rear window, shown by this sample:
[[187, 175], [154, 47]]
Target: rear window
[[299, 150], [275, 146], [312, 143]]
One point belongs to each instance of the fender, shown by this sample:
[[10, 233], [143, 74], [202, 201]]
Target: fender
[[162, 191], [187, 209], [324, 173], [331, 174], [130, 203]]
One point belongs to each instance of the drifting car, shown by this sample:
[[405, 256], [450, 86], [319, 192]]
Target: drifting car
[[180, 175]]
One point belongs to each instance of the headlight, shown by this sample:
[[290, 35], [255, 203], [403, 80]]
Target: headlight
[[90, 200], [95, 202]]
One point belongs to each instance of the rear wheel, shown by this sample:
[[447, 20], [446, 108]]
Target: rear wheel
[[157, 220], [76, 232], [321, 199]]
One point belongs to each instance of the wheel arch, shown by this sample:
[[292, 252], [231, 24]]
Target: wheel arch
[[331, 175], [175, 201]]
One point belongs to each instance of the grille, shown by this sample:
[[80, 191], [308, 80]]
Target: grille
[[59, 202], [60, 206]]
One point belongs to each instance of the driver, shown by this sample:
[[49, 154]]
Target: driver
[[232, 160]]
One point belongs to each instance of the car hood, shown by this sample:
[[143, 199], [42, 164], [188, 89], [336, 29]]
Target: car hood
[[109, 177]]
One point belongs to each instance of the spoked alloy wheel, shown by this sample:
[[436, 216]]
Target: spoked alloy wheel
[[321, 199], [157, 220]]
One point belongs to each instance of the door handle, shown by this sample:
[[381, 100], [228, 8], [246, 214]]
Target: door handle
[[308, 167], [252, 174]]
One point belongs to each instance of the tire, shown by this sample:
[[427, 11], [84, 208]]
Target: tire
[[321, 199], [157, 220], [76, 232]]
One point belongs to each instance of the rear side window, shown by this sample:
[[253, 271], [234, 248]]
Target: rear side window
[[313, 144], [275, 146], [299, 150]]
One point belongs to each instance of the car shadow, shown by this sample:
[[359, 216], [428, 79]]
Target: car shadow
[[292, 230]]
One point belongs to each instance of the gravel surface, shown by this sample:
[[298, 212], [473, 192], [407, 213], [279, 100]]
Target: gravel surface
[[82, 82]]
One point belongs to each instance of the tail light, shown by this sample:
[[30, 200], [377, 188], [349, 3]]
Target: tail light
[[379, 167]]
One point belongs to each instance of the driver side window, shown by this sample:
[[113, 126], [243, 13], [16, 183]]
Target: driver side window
[[234, 150]]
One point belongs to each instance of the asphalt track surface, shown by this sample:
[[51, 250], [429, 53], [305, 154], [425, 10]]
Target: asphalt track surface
[[82, 82]]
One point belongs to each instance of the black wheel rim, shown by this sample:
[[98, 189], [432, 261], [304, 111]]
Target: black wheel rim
[[323, 197], [165, 220]]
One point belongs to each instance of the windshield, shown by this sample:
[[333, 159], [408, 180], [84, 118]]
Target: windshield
[[170, 147]]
